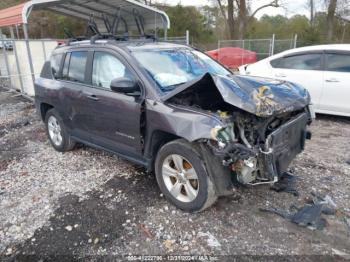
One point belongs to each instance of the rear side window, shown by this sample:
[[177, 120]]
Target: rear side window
[[77, 66], [338, 62], [55, 64], [74, 66], [301, 62]]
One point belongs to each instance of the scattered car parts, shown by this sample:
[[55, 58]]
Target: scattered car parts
[[308, 215]]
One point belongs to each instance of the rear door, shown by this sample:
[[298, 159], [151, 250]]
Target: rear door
[[74, 101], [305, 69], [336, 93]]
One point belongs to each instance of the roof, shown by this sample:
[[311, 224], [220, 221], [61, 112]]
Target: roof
[[340, 47], [11, 15], [343, 47], [152, 17]]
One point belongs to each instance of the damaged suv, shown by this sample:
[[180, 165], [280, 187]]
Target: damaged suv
[[177, 112]]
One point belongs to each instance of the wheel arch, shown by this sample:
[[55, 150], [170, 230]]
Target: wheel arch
[[157, 139], [44, 108], [220, 175]]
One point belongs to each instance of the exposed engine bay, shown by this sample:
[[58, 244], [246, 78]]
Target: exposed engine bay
[[258, 149]]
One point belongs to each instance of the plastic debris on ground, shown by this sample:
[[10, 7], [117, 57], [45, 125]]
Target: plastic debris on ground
[[286, 184], [309, 215]]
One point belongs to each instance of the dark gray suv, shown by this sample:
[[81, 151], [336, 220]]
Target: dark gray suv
[[177, 112]]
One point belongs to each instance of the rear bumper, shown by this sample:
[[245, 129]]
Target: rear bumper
[[283, 145]]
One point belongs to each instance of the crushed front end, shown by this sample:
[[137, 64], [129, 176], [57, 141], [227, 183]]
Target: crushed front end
[[259, 150], [263, 122]]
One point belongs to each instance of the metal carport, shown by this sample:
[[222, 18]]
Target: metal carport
[[152, 18]]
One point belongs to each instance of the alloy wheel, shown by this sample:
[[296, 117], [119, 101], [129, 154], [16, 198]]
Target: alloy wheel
[[54, 129], [180, 178]]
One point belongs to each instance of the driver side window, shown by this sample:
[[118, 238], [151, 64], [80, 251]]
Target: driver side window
[[107, 67]]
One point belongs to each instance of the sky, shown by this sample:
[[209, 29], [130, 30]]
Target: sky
[[291, 7]]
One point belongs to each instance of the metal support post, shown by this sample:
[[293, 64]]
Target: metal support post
[[44, 49], [18, 66], [12, 33], [272, 44], [4, 52], [26, 37], [295, 40]]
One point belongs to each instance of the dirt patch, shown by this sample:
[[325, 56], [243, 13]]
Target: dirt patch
[[92, 222]]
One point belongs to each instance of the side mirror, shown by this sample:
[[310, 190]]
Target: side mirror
[[124, 85]]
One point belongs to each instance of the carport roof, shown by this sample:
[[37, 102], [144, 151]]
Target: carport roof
[[11, 15], [152, 17]]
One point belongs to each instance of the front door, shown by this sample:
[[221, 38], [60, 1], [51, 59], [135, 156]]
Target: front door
[[114, 118]]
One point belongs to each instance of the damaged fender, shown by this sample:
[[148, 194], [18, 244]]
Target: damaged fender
[[182, 122]]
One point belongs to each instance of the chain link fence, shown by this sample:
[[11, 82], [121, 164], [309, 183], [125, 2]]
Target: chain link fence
[[263, 48], [281, 45], [182, 40]]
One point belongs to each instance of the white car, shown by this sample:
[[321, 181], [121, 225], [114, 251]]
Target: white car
[[324, 70]]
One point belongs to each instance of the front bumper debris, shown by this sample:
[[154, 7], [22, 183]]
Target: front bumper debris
[[282, 146]]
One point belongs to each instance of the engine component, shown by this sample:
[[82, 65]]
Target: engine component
[[246, 170], [242, 135], [224, 134]]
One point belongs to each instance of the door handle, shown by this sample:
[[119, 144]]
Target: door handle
[[280, 75], [332, 80], [92, 97]]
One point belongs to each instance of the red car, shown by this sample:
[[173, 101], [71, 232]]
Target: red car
[[233, 57]]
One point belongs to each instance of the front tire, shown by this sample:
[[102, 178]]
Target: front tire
[[57, 133], [182, 177]]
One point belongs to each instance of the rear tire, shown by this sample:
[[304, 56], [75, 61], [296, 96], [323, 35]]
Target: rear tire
[[182, 177], [57, 132]]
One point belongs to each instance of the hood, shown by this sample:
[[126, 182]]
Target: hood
[[260, 96]]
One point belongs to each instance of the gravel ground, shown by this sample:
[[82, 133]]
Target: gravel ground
[[87, 203]]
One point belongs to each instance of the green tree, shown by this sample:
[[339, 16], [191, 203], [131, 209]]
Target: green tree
[[188, 18]]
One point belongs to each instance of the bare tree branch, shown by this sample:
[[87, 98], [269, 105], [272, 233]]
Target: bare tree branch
[[272, 4], [330, 19], [222, 9]]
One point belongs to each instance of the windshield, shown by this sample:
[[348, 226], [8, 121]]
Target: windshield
[[171, 68]]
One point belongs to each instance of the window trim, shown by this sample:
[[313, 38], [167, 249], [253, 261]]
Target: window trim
[[338, 52]]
